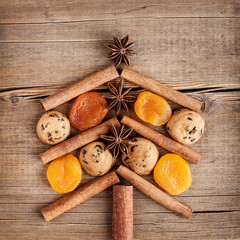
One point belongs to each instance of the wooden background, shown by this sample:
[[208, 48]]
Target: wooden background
[[192, 46]]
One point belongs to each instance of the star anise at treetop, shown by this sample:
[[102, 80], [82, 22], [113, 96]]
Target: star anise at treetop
[[120, 50], [118, 140], [118, 97]]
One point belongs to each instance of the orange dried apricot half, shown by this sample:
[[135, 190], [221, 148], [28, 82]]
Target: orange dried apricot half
[[64, 174], [152, 108], [173, 174], [88, 110]]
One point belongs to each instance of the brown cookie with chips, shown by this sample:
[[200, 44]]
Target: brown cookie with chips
[[186, 126], [142, 156], [95, 160], [53, 127]]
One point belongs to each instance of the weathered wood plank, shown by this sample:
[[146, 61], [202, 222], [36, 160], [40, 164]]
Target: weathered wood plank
[[54, 11], [160, 30], [151, 226], [18, 208], [182, 53]]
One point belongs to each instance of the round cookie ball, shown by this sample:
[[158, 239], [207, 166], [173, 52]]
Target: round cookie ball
[[186, 126], [53, 127], [94, 160], [142, 156]]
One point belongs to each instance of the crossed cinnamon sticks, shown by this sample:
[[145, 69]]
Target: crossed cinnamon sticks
[[90, 135], [110, 73], [98, 185], [91, 189]]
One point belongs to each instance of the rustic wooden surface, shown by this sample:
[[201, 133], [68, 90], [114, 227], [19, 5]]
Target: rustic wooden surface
[[192, 46]]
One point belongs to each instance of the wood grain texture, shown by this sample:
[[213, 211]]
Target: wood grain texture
[[192, 46], [60, 11], [184, 53]]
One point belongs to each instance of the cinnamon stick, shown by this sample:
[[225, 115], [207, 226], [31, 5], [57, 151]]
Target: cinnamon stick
[[154, 192], [122, 225], [161, 89], [80, 87], [161, 140], [78, 141], [80, 195]]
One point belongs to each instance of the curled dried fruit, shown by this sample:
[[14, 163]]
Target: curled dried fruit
[[64, 174], [152, 108], [173, 174], [88, 110]]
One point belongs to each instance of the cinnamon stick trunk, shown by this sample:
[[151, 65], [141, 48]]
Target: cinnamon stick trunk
[[162, 141], [122, 223], [80, 195], [154, 192]]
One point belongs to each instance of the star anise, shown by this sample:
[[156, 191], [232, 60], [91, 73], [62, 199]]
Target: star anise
[[119, 98], [118, 140], [120, 50]]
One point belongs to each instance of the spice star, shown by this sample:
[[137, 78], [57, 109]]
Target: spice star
[[118, 140], [118, 97], [120, 50]]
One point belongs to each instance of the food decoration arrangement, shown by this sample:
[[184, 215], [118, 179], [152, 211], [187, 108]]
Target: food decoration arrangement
[[102, 143]]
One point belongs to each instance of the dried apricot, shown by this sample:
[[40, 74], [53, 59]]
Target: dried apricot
[[152, 108], [173, 174], [64, 174], [88, 110]]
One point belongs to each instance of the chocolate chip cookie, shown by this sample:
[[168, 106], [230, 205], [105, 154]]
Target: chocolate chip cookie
[[53, 127], [186, 126], [94, 160], [142, 156]]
